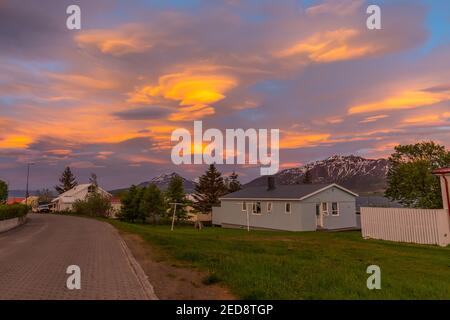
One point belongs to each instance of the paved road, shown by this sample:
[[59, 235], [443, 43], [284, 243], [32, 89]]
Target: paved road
[[35, 256]]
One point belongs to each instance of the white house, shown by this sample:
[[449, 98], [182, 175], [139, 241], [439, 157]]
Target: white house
[[306, 207], [66, 200]]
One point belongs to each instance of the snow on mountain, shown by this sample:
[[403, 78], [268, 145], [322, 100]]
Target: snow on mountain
[[162, 181], [353, 172]]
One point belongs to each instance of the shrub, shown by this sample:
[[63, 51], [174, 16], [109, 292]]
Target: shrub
[[95, 205], [13, 211]]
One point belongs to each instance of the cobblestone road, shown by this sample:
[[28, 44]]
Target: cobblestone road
[[35, 256]]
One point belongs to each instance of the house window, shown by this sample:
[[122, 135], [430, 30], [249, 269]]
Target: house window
[[91, 189], [325, 208], [269, 207], [257, 208], [244, 206], [287, 208], [334, 209]]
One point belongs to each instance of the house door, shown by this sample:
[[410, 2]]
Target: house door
[[319, 216]]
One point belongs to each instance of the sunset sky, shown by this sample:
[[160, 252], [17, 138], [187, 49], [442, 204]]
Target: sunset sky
[[106, 99]]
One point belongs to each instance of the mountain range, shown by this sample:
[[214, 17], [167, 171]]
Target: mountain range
[[352, 172], [162, 182]]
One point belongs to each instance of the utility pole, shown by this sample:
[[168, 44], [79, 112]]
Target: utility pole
[[28, 177]]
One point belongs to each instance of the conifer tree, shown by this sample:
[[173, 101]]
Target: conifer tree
[[175, 194], [67, 181], [152, 204], [208, 190]]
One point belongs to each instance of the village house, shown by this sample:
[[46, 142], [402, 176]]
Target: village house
[[65, 201], [303, 207]]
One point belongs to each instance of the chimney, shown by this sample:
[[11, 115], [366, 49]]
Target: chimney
[[270, 183], [444, 175]]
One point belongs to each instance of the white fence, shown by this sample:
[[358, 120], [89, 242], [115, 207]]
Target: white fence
[[406, 225]]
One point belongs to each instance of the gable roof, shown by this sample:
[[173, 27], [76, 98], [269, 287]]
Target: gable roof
[[70, 195], [285, 192]]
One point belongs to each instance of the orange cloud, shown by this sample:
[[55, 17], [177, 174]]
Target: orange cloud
[[122, 41], [60, 152], [374, 118], [15, 142], [402, 101], [139, 159], [292, 140], [195, 89], [330, 46], [336, 7], [189, 88], [192, 113], [427, 119], [83, 81]]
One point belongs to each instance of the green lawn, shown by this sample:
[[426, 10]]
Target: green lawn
[[309, 265]]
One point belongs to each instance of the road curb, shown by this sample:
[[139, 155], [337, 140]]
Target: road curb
[[137, 270], [13, 223]]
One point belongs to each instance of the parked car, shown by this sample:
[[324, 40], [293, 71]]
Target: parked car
[[43, 208]]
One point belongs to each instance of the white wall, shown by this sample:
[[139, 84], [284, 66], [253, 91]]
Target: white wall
[[406, 225], [230, 214], [347, 209]]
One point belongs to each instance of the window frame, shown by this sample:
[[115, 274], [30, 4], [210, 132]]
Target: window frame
[[244, 207], [290, 208], [255, 205], [337, 209], [271, 207]]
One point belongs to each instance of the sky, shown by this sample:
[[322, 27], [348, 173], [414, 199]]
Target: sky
[[106, 98]]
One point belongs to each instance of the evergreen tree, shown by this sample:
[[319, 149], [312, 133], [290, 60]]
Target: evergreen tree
[[130, 201], [152, 204], [208, 190], [175, 194], [307, 178], [67, 181], [3, 191], [233, 183]]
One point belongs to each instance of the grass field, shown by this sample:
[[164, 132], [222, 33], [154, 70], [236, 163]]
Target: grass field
[[309, 265]]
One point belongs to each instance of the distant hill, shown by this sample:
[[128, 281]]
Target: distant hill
[[21, 193], [162, 182], [353, 172]]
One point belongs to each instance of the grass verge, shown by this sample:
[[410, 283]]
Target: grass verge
[[307, 265]]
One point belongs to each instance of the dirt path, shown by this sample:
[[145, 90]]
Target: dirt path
[[173, 281]]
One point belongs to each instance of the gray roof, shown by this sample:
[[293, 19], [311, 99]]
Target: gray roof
[[376, 201], [297, 191]]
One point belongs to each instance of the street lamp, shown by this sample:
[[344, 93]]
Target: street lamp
[[28, 177]]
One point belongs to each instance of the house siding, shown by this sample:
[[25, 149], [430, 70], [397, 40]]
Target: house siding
[[302, 217], [231, 214], [347, 209]]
